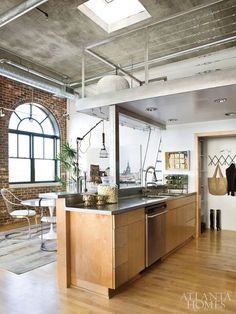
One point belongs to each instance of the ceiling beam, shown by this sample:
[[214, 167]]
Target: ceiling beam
[[135, 116], [158, 89], [19, 10]]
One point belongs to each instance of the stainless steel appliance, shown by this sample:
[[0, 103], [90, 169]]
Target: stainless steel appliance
[[155, 232]]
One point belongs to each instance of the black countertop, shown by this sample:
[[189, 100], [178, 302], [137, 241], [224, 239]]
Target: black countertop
[[123, 205]]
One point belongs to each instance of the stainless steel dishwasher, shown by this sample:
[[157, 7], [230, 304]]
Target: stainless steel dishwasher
[[155, 232]]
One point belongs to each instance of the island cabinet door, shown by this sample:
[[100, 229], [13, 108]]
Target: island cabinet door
[[91, 250], [190, 219], [128, 245], [171, 230], [180, 222]]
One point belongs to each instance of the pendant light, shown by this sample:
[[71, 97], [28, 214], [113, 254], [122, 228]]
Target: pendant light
[[103, 151]]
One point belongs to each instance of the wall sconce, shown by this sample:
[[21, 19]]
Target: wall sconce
[[2, 114], [103, 151]]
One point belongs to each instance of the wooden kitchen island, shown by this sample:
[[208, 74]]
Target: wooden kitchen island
[[102, 249]]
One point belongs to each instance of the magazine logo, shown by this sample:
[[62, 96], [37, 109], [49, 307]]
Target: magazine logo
[[206, 301]]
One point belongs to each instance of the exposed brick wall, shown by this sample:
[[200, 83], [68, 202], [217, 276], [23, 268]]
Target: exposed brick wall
[[13, 94]]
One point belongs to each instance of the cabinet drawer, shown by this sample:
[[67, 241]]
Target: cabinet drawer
[[120, 247], [128, 248], [179, 202], [129, 217]]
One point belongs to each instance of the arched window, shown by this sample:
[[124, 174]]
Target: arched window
[[34, 142]]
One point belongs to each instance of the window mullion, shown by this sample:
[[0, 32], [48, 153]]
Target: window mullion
[[32, 170], [32, 162], [17, 151], [44, 148], [54, 156]]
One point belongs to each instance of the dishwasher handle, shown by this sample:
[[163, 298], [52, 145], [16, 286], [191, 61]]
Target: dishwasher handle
[[155, 207], [158, 214]]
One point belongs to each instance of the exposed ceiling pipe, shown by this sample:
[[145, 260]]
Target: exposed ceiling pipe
[[31, 80], [166, 19], [163, 58], [111, 64], [26, 69], [186, 51], [19, 10], [90, 80]]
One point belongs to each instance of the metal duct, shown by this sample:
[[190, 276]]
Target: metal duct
[[19, 10], [34, 81], [28, 70]]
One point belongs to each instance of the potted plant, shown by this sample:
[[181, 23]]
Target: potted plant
[[68, 160]]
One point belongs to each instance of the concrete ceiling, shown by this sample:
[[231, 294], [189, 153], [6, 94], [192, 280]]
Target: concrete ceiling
[[55, 45]]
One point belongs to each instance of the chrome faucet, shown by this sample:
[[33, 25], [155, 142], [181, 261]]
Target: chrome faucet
[[154, 175], [80, 183]]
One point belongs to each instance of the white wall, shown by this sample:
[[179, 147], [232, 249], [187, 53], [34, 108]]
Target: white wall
[[181, 137], [78, 125]]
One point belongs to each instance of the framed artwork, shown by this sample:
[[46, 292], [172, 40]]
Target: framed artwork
[[177, 160]]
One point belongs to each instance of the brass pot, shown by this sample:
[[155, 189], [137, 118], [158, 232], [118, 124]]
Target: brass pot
[[89, 199], [101, 199]]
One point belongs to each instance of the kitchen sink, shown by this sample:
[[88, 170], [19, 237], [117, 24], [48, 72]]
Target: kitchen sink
[[163, 195], [156, 196], [171, 194]]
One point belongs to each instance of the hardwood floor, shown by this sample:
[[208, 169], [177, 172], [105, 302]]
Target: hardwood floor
[[205, 266]]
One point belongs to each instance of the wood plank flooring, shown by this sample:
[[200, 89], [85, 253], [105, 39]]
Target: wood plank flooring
[[204, 267]]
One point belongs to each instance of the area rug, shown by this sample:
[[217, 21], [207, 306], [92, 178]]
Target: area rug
[[19, 254]]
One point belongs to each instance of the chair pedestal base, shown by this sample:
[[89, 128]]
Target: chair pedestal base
[[51, 235], [43, 247]]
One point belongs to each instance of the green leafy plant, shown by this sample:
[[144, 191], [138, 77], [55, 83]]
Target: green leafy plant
[[68, 160]]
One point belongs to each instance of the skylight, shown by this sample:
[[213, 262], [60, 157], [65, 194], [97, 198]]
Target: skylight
[[112, 15]]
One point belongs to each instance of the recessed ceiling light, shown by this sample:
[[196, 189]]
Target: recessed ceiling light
[[149, 109], [112, 15], [220, 100], [229, 114], [172, 120]]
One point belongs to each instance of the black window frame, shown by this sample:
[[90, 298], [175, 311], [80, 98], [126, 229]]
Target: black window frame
[[56, 140]]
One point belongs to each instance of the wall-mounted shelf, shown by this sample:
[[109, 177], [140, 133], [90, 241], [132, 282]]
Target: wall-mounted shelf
[[177, 182]]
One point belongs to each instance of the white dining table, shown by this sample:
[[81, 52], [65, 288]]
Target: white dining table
[[47, 203]]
